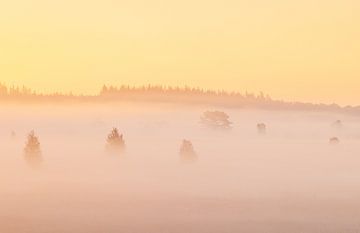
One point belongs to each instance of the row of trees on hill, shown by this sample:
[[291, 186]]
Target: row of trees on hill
[[183, 95], [126, 89], [15, 91]]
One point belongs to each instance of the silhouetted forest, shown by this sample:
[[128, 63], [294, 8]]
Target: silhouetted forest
[[181, 95]]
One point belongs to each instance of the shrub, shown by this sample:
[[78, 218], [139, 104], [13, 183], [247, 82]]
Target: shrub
[[334, 141], [261, 128]]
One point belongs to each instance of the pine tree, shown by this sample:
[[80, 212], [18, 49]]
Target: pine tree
[[115, 141], [32, 149], [187, 152]]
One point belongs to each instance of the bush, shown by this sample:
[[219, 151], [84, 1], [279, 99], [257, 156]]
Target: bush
[[261, 128], [334, 141], [337, 124]]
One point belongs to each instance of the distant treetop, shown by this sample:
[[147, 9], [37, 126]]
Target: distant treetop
[[216, 119], [115, 141]]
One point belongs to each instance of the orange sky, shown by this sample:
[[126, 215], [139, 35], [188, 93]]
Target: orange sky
[[296, 50]]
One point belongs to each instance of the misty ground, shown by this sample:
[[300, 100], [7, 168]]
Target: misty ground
[[289, 180]]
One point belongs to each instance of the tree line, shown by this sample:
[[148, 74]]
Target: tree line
[[168, 94]]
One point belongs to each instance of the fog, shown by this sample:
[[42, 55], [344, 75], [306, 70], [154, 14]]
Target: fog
[[289, 179]]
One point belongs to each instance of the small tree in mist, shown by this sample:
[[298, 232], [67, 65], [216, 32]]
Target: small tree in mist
[[32, 149], [216, 120], [13, 134], [337, 124], [115, 142], [334, 141], [187, 152], [261, 128]]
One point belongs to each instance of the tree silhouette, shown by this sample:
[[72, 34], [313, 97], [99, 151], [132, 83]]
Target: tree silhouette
[[187, 152], [115, 141], [261, 128], [13, 134], [216, 120], [337, 124], [334, 141], [32, 149]]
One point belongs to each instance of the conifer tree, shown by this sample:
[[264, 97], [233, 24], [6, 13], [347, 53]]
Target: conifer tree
[[32, 149], [187, 152], [115, 141]]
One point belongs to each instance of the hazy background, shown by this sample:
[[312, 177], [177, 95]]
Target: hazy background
[[289, 180], [295, 50]]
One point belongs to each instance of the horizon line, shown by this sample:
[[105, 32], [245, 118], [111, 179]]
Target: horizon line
[[22, 90]]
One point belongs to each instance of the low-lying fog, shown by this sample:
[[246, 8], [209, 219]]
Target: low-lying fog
[[287, 180]]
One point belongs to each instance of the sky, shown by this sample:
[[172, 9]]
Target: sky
[[305, 50]]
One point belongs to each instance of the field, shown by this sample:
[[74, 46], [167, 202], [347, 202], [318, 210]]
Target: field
[[287, 181]]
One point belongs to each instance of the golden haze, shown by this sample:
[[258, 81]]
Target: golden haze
[[295, 50]]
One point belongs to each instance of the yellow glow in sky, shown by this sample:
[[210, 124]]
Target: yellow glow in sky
[[305, 50]]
